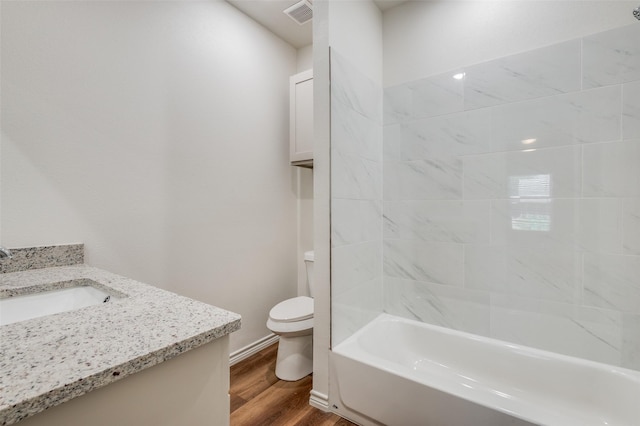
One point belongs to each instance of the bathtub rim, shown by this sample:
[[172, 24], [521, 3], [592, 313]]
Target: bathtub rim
[[343, 349]]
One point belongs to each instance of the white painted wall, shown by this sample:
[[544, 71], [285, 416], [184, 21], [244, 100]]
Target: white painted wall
[[431, 37], [304, 178], [304, 181], [305, 58], [355, 30], [157, 134]]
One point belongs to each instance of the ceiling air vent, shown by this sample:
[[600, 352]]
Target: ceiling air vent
[[301, 12]]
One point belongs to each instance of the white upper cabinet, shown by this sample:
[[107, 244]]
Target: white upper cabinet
[[301, 119]]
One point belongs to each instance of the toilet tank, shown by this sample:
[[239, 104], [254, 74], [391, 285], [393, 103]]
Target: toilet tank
[[309, 258]]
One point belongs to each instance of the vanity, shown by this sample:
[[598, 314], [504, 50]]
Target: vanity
[[137, 356]]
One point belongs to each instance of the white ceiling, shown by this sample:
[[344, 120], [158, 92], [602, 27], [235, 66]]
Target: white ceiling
[[269, 14]]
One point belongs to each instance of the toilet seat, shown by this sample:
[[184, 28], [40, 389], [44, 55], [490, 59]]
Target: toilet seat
[[292, 317], [292, 310]]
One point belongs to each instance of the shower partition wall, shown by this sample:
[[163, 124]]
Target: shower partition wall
[[356, 198], [510, 198]]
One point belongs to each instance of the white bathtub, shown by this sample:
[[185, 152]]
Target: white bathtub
[[396, 371]]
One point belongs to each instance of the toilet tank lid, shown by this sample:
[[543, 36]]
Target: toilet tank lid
[[309, 255]]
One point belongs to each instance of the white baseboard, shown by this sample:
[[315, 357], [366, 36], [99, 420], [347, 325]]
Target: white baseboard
[[252, 349], [319, 400]]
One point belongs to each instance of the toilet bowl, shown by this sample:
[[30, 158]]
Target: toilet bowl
[[292, 321]]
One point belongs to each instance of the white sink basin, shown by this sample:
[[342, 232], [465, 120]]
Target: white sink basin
[[76, 294]]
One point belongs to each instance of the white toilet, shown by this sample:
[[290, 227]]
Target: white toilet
[[292, 320]]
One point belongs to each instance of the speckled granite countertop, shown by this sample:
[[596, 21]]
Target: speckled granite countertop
[[49, 360]]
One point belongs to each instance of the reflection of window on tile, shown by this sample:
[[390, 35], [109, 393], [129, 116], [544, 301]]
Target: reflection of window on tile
[[530, 202]]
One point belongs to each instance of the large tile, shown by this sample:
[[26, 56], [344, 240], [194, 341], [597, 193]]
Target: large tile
[[534, 221], [353, 133], [392, 142], [427, 97], [600, 225], [611, 57], [590, 116], [575, 224], [354, 89], [352, 265], [446, 306], [438, 221], [612, 282], [554, 172], [631, 341], [611, 169], [355, 221], [435, 178], [354, 308], [354, 177], [631, 226], [397, 104], [592, 334], [631, 110], [450, 135], [549, 273], [438, 94], [439, 263], [541, 72]]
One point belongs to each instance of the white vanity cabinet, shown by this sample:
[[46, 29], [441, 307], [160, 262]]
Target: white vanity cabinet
[[190, 389], [301, 119]]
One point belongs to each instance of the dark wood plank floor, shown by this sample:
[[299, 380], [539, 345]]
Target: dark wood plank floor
[[258, 397]]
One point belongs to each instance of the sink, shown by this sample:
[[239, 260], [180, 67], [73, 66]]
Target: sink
[[67, 296]]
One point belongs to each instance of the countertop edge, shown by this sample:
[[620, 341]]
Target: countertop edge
[[155, 324], [69, 391]]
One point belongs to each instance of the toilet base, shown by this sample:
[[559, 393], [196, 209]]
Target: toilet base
[[295, 357]]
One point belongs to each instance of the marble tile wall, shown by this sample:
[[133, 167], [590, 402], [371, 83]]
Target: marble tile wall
[[356, 198], [511, 198]]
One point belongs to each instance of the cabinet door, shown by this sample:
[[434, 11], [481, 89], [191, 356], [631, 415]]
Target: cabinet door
[[301, 118]]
